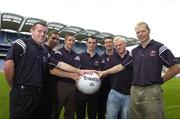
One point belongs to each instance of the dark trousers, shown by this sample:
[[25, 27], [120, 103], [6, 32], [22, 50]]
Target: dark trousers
[[89, 102], [103, 95], [102, 104], [50, 99], [66, 98], [25, 103]]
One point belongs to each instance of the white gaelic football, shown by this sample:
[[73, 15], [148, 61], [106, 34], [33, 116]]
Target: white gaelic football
[[89, 83]]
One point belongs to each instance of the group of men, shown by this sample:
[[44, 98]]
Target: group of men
[[43, 81]]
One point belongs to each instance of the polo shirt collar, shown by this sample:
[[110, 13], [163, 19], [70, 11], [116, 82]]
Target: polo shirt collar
[[150, 43], [34, 43], [49, 49], [127, 53], [93, 55], [67, 51]]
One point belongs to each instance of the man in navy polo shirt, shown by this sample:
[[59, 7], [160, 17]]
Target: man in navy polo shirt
[[50, 90], [25, 69], [66, 87], [119, 96], [88, 60], [105, 86], [147, 60], [50, 85]]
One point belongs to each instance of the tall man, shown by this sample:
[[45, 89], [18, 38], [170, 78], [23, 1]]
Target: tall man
[[147, 60], [25, 70]]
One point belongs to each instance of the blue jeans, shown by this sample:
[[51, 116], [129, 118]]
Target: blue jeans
[[117, 103]]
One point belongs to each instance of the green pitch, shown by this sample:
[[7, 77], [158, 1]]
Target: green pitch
[[171, 93]]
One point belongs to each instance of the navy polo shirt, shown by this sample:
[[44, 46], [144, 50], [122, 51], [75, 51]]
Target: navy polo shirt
[[31, 62], [121, 81], [106, 64], [147, 63], [69, 57], [48, 80], [92, 63]]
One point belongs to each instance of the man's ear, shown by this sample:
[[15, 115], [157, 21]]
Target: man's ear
[[31, 30]]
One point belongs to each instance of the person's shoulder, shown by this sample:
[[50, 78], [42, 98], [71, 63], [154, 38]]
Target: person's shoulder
[[22, 43], [103, 54], [58, 52], [157, 42], [74, 52], [136, 48], [159, 45], [83, 53]]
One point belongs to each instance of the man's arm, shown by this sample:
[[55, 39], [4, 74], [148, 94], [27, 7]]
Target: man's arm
[[61, 73], [171, 72], [69, 68], [112, 70], [9, 69]]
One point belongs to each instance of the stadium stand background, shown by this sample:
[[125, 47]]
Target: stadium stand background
[[14, 26]]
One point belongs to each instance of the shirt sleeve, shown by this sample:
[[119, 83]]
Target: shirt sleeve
[[167, 57], [16, 50], [128, 60], [55, 58]]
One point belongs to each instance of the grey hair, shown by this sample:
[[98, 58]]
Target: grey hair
[[118, 38]]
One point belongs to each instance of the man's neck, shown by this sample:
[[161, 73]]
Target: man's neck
[[122, 54], [67, 48], [92, 53], [109, 52], [144, 44]]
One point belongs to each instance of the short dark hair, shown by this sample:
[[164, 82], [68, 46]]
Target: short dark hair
[[108, 38], [40, 23], [68, 34], [52, 32], [92, 37]]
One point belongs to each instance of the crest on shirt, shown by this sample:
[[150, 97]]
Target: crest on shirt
[[103, 61], [107, 59], [77, 58], [96, 63], [45, 58], [152, 53]]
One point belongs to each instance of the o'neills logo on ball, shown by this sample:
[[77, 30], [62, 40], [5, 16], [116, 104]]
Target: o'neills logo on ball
[[92, 79]]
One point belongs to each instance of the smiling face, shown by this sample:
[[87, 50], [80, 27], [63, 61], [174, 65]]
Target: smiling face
[[120, 46], [53, 40], [142, 31], [69, 42], [108, 44], [91, 44], [39, 33]]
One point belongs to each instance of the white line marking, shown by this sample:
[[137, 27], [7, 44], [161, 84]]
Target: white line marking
[[173, 106]]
